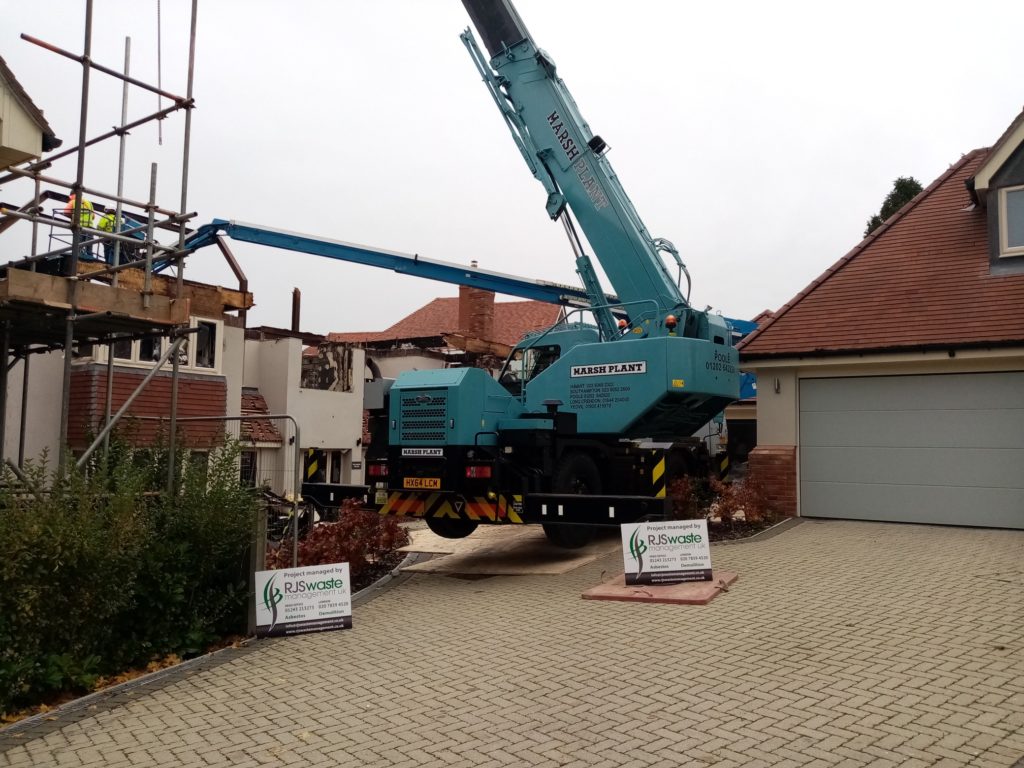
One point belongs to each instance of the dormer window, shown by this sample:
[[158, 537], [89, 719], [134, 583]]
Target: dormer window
[[1011, 221]]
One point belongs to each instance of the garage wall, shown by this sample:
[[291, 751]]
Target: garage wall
[[945, 448]]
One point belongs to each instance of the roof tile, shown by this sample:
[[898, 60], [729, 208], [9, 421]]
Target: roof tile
[[512, 320], [257, 430], [921, 280]]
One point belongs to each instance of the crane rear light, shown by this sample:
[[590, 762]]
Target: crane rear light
[[478, 471], [377, 470]]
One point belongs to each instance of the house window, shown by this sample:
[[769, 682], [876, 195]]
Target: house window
[[123, 349], [206, 345], [336, 463], [83, 351], [149, 349], [248, 469], [1011, 221], [183, 352], [199, 350]]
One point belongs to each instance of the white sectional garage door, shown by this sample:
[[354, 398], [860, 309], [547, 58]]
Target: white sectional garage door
[[922, 449]]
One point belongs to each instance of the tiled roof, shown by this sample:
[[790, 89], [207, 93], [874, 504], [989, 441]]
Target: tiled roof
[[512, 319], [920, 281], [50, 140], [257, 430]]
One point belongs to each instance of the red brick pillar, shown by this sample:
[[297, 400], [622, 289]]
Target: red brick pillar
[[476, 312], [775, 468]]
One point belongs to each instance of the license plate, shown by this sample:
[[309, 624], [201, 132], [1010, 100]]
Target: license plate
[[431, 483]]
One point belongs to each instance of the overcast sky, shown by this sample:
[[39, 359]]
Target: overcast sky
[[758, 136]]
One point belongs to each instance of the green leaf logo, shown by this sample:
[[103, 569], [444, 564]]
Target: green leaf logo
[[271, 597], [637, 549]]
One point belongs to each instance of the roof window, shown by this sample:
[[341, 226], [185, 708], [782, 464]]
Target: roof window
[[1011, 221]]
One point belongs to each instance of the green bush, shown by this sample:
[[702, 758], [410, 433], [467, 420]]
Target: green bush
[[104, 570]]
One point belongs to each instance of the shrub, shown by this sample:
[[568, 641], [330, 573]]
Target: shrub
[[744, 498], [104, 570], [69, 564], [360, 538], [693, 498], [690, 497], [192, 587]]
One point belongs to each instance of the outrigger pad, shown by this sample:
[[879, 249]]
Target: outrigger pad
[[689, 593], [507, 550]]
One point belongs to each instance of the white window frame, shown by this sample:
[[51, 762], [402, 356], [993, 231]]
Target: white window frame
[[99, 353], [1004, 232]]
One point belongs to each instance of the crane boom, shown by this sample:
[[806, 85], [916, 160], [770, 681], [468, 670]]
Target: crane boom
[[402, 263], [413, 265], [571, 163]]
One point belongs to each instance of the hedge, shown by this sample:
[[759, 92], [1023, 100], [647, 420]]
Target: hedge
[[105, 571]]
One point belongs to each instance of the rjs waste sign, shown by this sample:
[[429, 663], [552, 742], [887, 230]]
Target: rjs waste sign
[[294, 601], [670, 552]]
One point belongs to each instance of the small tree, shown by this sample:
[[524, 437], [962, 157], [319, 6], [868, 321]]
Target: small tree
[[904, 189]]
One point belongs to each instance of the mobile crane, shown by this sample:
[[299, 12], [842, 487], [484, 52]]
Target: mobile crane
[[587, 424], [583, 425]]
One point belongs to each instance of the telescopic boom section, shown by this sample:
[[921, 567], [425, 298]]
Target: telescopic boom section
[[569, 160], [498, 23]]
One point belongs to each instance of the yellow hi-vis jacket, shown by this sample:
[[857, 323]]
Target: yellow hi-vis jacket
[[107, 222], [85, 217]]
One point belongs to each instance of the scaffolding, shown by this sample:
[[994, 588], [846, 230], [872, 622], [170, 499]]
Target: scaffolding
[[66, 297]]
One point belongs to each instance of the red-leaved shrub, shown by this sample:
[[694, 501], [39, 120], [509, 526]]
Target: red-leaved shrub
[[744, 498], [696, 497], [360, 538]]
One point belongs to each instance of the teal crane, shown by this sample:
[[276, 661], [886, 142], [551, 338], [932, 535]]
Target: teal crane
[[587, 423]]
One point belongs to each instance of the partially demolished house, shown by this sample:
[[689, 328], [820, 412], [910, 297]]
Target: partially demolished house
[[100, 328], [472, 329]]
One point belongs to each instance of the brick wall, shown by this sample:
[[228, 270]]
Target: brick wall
[[197, 396], [476, 312], [775, 467]]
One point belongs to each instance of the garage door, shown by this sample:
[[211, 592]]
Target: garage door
[[922, 449]]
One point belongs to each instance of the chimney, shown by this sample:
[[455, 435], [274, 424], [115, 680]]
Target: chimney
[[476, 311], [296, 306]]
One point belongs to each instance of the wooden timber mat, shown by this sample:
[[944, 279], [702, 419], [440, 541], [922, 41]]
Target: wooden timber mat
[[505, 550]]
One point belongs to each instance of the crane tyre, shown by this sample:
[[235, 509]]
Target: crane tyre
[[448, 528], [576, 473]]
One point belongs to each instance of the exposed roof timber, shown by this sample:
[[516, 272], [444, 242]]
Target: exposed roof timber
[[477, 346]]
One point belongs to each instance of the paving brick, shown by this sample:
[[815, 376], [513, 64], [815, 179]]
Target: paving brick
[[810, 660]]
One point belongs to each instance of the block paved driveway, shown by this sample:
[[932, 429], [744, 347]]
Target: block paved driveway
[[843, 643]]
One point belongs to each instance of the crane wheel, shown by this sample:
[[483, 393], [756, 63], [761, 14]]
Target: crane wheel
[[576, 473], [447, 528]]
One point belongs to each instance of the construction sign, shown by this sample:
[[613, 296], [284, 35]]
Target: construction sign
[[297, 601], [670, 552]]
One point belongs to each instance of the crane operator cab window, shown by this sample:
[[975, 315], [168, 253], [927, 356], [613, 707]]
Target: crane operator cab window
[[523, 365]]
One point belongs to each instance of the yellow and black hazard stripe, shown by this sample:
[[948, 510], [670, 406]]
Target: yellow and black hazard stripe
[[417, 504], [312, 463], [509, 508], [478, 508], [723, 466], [503, 509], [658, 479]]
